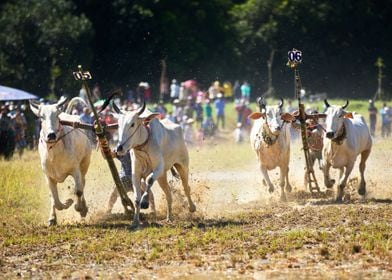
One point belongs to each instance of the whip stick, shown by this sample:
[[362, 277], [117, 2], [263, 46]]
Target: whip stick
[[83, 76]]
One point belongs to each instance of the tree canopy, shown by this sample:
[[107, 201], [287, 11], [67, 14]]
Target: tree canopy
[[123, 42], [41, 39]]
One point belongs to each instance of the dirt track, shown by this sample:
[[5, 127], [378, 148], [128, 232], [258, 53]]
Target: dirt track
[[254, 235], [219, 192]]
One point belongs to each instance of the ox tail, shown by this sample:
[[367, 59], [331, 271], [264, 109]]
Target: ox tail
[[73, 102]]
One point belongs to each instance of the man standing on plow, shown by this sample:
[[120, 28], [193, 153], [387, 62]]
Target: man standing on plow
[[315, 133]]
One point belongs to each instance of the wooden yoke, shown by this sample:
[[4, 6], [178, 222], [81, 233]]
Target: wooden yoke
[[88, 126], [296, 115]]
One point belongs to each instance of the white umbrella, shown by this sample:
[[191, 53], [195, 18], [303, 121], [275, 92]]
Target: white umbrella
[[7, 93]]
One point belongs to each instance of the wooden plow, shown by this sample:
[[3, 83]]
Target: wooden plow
[[103, 143]]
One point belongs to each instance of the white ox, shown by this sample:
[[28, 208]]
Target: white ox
[[270, 139], [347, 136], [64, 151], [155, 146]]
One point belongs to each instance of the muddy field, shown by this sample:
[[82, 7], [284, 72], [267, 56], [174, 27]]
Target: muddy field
[[239, 229]]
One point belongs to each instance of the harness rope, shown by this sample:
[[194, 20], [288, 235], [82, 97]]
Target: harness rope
[[339, 139], [144, 143]]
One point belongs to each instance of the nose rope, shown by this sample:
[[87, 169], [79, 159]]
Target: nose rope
[[122, 144], [61, 128]]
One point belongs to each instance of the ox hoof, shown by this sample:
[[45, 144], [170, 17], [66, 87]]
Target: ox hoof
[[52, 222], [68, 203], [330, 184], [289, 188], [362, 191], [339, 197], [134, 226], [192, 208], [144, 203], [362, 188], [271, 189], [82, 209]]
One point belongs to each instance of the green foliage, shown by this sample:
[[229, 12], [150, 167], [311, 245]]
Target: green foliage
[[33, 34], [338, 59], [123, 43], [193, 36]]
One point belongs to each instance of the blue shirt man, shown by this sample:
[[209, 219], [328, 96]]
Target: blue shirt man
[[220, 110]]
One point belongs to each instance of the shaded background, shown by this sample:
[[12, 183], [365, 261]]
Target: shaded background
[[124, 42]]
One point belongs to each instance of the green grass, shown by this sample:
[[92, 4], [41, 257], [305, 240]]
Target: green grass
[[237, 240], [21, 193]]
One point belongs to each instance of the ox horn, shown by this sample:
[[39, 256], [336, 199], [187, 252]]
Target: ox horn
[[141, 110], [345, 105], [107, 101], [326, 103], [115, 107], [62, 101], [261, 102], [34, 104], [34, 108], [280, 104]]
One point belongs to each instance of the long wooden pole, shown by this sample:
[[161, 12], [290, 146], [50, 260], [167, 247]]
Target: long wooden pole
[[103, 142], [311, 178], [293, 62]]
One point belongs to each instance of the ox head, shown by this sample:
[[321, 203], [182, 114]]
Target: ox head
[[271, 115], [335, 117], [130, 125], [49, 115]]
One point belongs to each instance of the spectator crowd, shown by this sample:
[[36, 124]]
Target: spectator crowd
[[201, 113]]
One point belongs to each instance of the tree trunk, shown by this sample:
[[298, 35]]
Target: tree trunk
[[163, 83], [270, 62]]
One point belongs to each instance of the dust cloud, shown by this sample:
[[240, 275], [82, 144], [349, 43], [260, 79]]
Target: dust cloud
[[217, 193]]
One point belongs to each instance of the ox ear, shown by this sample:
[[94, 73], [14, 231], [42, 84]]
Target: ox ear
[[150, 117], [348, 115], [287, 117], [256, 115]]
